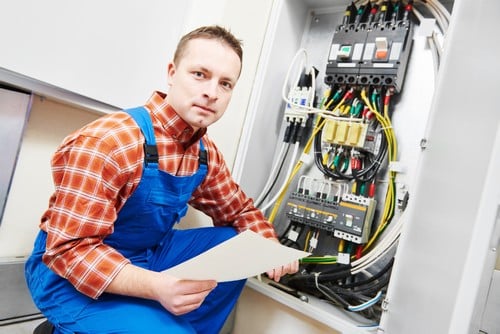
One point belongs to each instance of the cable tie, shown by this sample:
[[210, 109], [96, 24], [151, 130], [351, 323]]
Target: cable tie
[[305, 158], [316, 275], [396, 166]]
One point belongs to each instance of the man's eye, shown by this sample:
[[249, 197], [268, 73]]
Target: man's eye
[[198, 74], [227, 85]]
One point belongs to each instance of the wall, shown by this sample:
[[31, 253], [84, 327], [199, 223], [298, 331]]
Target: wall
[[114, 51], [48, 124]]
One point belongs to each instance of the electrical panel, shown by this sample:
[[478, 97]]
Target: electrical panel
[[343, 194]]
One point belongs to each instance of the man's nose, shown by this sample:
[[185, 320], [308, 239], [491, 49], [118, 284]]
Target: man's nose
[[211, 89]]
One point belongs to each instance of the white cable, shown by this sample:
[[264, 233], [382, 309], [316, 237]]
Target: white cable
[[383, 246], [285, 83], [418, 15], [436, 49], [274, 172], [374, 258], [442, 9], [289, 172], [313, 87], [443, 25], [445, 14]]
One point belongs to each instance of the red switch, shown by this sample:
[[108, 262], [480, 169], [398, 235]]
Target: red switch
[[381, 48]]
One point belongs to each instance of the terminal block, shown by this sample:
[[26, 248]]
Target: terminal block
[[349, 219]]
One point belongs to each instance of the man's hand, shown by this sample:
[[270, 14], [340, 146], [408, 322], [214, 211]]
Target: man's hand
[[279, 272], [178, 296], [181, 296]]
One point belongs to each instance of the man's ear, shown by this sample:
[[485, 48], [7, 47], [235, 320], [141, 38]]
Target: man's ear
[[170, 72]]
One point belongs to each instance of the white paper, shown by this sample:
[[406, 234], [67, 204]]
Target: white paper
[[245, 255]]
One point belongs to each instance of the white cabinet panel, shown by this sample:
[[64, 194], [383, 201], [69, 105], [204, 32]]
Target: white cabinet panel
[[113, 51]]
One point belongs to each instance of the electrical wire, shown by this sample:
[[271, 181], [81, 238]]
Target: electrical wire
[[273, 175], [298, 165], [300, 52], [367, 304], [285, 184]]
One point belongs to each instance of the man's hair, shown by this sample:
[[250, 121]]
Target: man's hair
[[209, 32]]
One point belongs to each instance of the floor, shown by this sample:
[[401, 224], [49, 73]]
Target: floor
[[21, 328], [27, 327]]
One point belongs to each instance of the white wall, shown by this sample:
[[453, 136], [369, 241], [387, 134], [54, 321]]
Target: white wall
[[114, 51], [48, 124]]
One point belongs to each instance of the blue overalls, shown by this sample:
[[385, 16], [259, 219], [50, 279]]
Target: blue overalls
[[143, 232]]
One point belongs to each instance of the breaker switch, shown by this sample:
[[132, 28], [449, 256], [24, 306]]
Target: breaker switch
[[381, 48], [344, 52]]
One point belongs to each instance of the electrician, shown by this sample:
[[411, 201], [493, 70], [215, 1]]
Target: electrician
[[121, 184]]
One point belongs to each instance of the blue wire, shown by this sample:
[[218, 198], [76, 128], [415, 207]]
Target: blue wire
[[367, 304]]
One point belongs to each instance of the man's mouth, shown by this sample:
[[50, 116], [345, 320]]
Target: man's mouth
[[205, 108]]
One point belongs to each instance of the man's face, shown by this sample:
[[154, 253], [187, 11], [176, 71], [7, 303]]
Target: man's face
[[201, 84]]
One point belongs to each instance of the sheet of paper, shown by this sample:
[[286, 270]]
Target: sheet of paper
[[245, 255]]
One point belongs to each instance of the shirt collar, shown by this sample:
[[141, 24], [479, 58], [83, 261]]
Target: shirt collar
[[171, 121]]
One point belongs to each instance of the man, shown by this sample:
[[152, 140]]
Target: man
[[121, 183]]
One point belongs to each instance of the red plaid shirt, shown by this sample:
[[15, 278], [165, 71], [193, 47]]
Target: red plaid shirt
[[96, 169]]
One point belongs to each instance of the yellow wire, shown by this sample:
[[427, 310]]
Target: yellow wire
[[385, 121], [341, 245], [295, 170], [308, 237], [325, 158]]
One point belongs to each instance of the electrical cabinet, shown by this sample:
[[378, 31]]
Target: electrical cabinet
[[441, 195]]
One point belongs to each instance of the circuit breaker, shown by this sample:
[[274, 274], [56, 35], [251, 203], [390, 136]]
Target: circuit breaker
[[371, 46]]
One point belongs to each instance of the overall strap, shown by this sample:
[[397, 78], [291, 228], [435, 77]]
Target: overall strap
[[142, 118], [203, 155]]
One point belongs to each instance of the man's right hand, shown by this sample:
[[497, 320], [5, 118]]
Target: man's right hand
[[180, 296]]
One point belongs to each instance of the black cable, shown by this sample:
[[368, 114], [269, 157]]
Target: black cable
[[332, 295], [306, 280], [376, 276]]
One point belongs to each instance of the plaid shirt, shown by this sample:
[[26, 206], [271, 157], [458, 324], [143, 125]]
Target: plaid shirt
[[97, 168]]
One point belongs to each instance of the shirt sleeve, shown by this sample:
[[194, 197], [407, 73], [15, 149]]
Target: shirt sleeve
[[91, 185], [221, 198]]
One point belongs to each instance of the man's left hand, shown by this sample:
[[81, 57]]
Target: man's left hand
[[279, 272]]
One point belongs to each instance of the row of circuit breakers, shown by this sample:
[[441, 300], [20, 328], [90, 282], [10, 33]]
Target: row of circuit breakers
[[349, 218], [371, 46]]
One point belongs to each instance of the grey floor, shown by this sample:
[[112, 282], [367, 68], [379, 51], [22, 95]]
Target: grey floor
[[28, 327], [20, 328]]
